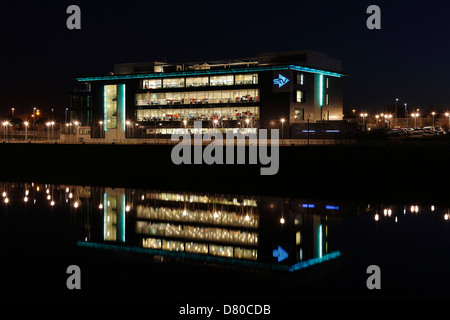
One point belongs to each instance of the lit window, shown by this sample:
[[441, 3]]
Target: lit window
[[151, 84], [299, 114], [299, 97], [326, 98]]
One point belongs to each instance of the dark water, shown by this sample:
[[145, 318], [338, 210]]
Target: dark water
[[155, 244]]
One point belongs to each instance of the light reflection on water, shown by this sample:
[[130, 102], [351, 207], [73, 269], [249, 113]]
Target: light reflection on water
[[276, 233], [261, 232]]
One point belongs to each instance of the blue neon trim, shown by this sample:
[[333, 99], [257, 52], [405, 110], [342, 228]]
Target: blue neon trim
[[331, 207], [209, 72], [308, 205]]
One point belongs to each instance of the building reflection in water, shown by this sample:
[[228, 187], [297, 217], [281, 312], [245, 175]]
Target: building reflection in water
[[262, 232]]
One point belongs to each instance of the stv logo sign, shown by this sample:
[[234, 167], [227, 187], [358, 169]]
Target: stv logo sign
[[281, 81]]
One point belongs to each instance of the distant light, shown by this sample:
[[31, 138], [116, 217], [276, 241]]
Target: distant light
[[70, 195], [127, 208], [328, 207], [282, 221], [75, 205], [67, 190], [52, 203], [308, 205], [100, 206], [377, 217], [48, 197], [432, 208], [4, 194], [25, 199], [446, 216], [6, 200]]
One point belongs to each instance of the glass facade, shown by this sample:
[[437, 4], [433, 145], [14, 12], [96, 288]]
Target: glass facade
[[110, 106], [152, 84], [173, 83], [211, 113], [205, 81], [198, 97]]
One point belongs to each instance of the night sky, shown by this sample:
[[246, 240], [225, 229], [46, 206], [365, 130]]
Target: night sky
[[407, 59]]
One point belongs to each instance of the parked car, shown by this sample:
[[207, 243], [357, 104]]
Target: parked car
[[417, 131], [408, 130], [440, 131], [429, 131]]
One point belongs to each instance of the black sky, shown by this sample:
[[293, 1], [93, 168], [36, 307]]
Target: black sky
[[406, 59]]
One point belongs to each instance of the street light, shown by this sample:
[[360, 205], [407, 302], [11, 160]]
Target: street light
[[395, 115], [48, 129], [433, 113], [5, 124], [388, 118], [415, 116], [52, 123], [282, 131], [363, 116], [101, 128], [26, 129], [128, 123]]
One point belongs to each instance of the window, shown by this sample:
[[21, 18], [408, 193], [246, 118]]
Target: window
[[110, 106], [220, 113], [197, 82], [327, 82], [299, 114], [246, 79], [173, 83], [299, 96], [152, 84], [198, 97], [221, 80], [326, 99], [300, 78]]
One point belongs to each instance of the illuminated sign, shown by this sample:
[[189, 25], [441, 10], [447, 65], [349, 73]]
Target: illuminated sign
[[280, 81], [280, 253]]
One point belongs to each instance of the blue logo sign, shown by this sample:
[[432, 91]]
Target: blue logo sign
[[281, 81], [280, 253]]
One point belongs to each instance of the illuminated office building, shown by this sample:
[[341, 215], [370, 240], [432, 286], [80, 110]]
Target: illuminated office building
[[143, 100]]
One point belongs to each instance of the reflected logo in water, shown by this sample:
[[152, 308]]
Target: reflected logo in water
[[280, 253]]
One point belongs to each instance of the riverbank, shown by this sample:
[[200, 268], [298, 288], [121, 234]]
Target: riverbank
[[356, 171]]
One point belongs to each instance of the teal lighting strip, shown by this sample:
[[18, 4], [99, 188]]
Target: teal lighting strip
[[105, 204], [122, 219], [121, 102], [209, 72], [321, 90], [192, 256]]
